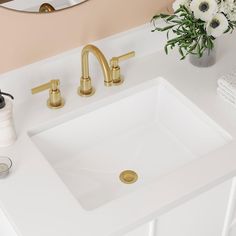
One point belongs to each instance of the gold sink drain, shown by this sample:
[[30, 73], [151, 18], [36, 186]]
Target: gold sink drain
[[128, 177]]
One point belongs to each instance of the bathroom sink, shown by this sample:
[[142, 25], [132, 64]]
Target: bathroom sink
[[151, 129]]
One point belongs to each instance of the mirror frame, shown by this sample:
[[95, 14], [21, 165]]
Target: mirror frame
[[40, 13]]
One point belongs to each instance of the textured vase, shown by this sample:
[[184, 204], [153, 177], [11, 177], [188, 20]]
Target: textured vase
[[208, 58]]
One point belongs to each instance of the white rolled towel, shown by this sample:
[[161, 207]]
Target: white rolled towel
[[226, 96], [228, 84]]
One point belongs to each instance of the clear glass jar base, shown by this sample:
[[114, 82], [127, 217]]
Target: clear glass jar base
[[204, 61], [208, 58]]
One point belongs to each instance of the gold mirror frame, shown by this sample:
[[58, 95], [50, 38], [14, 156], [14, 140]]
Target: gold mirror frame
[[45, 7]]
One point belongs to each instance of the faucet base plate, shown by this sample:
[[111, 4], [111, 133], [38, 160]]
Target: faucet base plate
[[55, 107], [82, 94], [118, 82]]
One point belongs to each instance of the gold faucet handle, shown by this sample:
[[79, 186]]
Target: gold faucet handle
[[115, 60], [53, 85], [115, 68], [55, 100]]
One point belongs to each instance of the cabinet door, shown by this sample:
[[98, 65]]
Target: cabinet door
[[201, 216], [140, 231], [5, 227]]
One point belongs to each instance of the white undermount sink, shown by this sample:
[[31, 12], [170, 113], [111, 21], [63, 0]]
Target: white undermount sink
[[151, 129]]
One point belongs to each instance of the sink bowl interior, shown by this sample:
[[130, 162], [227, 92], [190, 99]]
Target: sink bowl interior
[[151, 129]]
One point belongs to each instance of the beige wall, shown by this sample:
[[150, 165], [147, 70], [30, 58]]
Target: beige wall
[[26, 38]]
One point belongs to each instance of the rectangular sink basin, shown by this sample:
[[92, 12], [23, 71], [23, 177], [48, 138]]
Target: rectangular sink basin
[[151, 129]]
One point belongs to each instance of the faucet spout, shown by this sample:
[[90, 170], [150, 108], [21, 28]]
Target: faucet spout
[[86, 88]]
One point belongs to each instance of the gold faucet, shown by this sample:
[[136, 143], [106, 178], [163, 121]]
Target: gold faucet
[[55, 100], [111, 75], [86, 88]]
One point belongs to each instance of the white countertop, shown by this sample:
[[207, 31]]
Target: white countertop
[[34, 198]]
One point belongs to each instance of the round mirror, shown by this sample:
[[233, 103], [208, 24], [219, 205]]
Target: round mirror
[[39, 6]]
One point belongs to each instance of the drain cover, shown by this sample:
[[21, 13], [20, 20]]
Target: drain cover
[[128, 177]]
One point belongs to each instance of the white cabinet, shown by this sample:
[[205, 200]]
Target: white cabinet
[[140, 231], [5, 227], [202, 216]]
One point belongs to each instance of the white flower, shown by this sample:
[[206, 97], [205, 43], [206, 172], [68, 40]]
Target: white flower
[[224, 6], [204, 9], [176, 5], [217, 25], [229, 8], [232, 15]]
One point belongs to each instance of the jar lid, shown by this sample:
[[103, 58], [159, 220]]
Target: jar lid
[[5, 166], [6, 112], [2, 99]]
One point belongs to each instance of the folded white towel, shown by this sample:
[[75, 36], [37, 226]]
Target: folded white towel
[[228, 83], [226, 96]]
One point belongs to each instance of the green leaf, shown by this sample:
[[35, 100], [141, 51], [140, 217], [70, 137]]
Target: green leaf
[[162, 15], [178, 11], [168, 27], [181, 52], [167, 34], [170, 18], [166, 49], [193, 47]]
